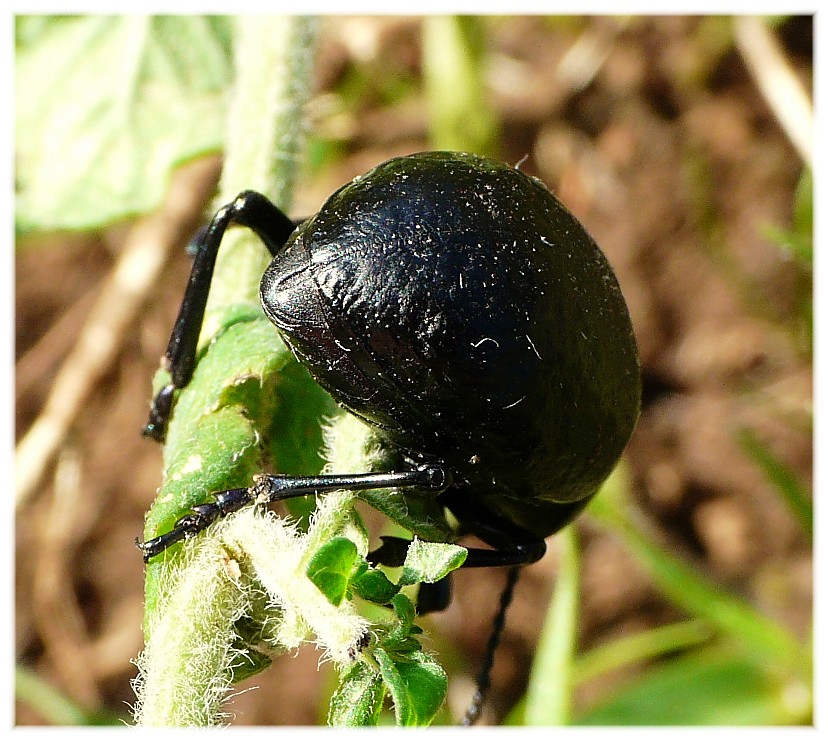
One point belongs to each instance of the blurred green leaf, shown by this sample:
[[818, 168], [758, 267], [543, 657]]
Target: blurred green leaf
[[798, 240], [783, 477], [52, 705], [549, 694], [803, 214], [687, 587], [710, 687], [105, 106], [798, 246], [648, 644]]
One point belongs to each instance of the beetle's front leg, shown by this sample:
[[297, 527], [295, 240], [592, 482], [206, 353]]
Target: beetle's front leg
[[249, 209]]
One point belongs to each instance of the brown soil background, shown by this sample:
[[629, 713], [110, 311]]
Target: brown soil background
[[675, 162]]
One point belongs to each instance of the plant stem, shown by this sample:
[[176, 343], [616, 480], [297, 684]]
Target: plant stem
[[195, 596], [265, 134], [549, 695], [453, 65], [186, 664]]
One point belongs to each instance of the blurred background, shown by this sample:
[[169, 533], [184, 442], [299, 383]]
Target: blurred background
[[681, 143]]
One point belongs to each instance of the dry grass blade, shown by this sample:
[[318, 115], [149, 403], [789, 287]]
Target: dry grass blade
[[778, 83]]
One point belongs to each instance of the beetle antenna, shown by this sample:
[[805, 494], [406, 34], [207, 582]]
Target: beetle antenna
[[484, 678]]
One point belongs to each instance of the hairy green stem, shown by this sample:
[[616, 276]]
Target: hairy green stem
[[196, 594], [265, 134], [186, 664]]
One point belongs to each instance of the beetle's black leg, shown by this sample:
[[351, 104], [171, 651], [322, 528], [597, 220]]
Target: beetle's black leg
[[434, 597], [437, 596], [249, 209], [512, 546], [484, 676], [393, 550], [202, 515], [521, 554], [274, 488]]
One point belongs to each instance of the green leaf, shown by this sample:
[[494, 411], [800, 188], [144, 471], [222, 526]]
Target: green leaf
[[783, 478], [357, 700], [424, 516], [405, 612], [430, 562], [105, 107], [710, 687], [374, 586], [394, 663], [295, 429], [250, 663], [331, 567], [418, 686], [397, 637]]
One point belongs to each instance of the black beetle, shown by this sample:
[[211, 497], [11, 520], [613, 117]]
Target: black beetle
[[453, 304]]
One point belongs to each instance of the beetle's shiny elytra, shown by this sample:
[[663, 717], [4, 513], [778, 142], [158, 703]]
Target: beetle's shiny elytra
[[453, 303]]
